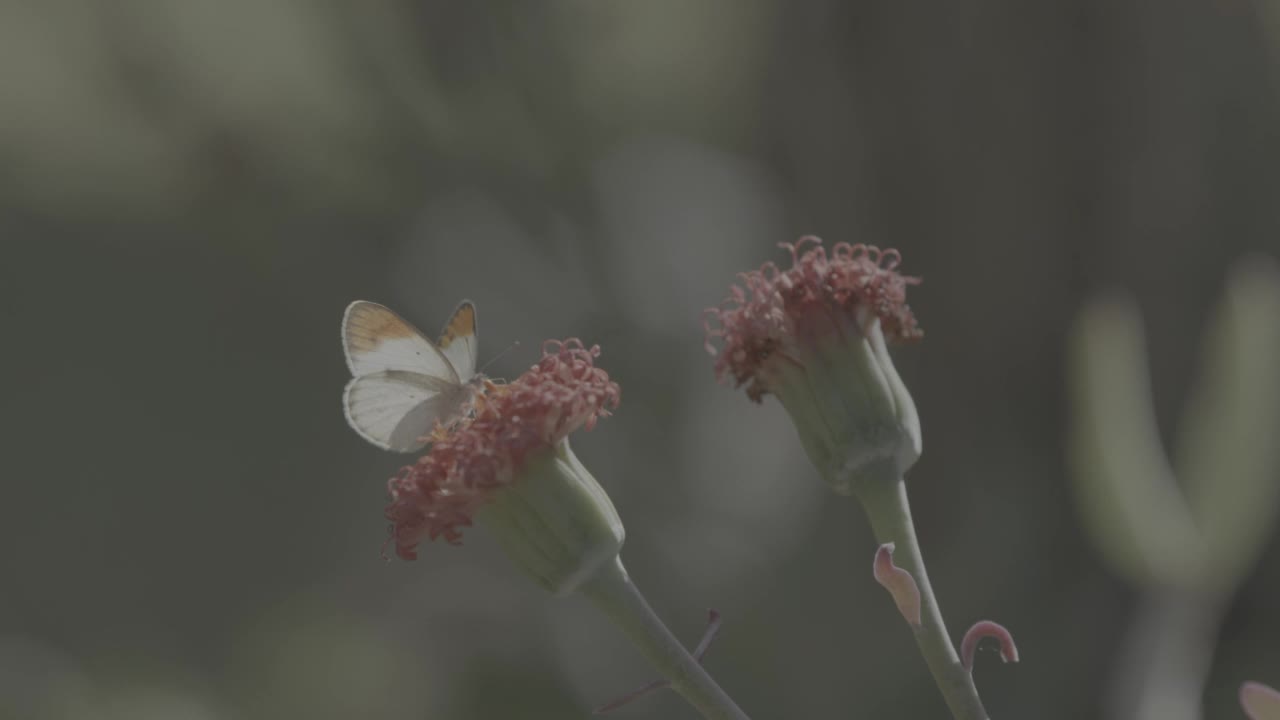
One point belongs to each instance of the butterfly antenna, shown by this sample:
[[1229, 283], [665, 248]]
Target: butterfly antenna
[[508, 349]]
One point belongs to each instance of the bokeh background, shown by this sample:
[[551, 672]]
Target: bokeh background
[[192, 190]]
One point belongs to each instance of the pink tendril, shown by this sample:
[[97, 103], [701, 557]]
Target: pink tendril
[[987, 629]]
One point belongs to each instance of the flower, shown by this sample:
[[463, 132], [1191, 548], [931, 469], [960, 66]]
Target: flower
[[509, 463], [814, 335]]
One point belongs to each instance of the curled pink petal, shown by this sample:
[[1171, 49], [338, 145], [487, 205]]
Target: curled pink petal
[[985, 629], [1259, 701], [899, 583]]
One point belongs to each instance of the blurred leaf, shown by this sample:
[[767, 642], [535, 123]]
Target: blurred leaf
[[1228, 454], [1129, 500], [158, 703], [512, 690], [39, 683], [310, 661]]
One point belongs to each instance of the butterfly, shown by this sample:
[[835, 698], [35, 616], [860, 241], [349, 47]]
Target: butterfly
[[403, 383]]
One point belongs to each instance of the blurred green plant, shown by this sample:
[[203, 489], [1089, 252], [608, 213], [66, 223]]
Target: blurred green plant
[[1189, 546]]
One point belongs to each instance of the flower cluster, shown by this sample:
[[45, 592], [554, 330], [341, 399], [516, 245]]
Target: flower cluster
[[470, 461], [762, 320]]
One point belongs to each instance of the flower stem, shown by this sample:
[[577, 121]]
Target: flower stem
[[886, 506], [612, 590]]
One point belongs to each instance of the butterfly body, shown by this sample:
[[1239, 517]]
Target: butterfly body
[[403, 383]]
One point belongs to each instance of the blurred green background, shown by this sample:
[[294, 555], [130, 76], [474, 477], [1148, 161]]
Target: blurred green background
[[192, 190]]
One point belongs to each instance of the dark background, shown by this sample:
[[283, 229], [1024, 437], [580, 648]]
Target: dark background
[[190, 193]]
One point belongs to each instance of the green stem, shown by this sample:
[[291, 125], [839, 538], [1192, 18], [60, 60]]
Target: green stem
[[1166, 658], [886, 506], [612, 590]]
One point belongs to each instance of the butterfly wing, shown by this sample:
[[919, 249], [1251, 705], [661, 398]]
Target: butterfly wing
[[375, 339], [459, 342], [395, 409], [403, 383]]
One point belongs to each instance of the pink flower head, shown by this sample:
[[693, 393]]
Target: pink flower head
[[467, 463], [762, 323], [816, 336]]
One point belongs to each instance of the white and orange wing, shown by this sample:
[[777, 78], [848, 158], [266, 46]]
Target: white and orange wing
[[459, 342], [397, 409], [376, 339], [403, 383]]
